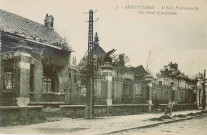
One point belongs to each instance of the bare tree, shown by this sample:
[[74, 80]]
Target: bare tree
[[150, 60], [65, 38]]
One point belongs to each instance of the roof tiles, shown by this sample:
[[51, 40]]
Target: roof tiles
[[24, 27]]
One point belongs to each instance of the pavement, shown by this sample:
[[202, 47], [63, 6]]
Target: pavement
[[101, 125]]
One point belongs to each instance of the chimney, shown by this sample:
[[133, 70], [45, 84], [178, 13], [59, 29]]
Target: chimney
[[49, 21]]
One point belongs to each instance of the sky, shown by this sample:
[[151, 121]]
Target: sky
[[180, 38]]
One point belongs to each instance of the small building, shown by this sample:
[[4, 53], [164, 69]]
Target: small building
[[34, 61]]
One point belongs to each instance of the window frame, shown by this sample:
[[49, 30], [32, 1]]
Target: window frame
[[8, 69]]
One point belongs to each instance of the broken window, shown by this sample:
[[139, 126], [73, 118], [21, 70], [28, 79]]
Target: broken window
[[9, 67], [49, 84], [8, 80], [50, 80], [46, 84]]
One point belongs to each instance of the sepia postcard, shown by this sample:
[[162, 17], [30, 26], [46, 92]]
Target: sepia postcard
[[103, 67]]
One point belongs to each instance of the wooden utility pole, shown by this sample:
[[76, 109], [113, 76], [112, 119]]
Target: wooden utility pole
[[89, 110], [204, 91]]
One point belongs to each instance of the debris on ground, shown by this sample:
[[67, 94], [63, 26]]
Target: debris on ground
[[161, 118], [166, 116], [180, 116]]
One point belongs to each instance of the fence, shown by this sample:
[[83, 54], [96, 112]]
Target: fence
[[161, 94], [123, 91], [126, 91]]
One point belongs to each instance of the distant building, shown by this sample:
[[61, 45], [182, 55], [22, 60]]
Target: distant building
[[170, 76], [34, 61]]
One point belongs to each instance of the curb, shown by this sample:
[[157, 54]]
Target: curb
[[148, 126]]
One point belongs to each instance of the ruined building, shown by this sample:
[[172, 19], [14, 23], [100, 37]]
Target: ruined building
[[171, 77], [114, 81], [34, 61]]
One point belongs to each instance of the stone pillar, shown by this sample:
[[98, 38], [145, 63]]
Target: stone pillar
[[107, 70], [109, 90], [22, 78], [148, 79], [38, 81], [150, 96]]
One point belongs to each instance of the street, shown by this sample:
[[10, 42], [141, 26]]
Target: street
[[103, 68], [107, 125], [189, 127]]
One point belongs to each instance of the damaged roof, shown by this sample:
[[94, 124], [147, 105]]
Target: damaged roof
[[31, 30], [138, 71]]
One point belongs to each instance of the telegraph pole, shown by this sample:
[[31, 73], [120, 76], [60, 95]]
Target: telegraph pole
[[89, 110], [204, 90]]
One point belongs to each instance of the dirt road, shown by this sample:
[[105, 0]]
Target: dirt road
[[80, 126], [196, 126]]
